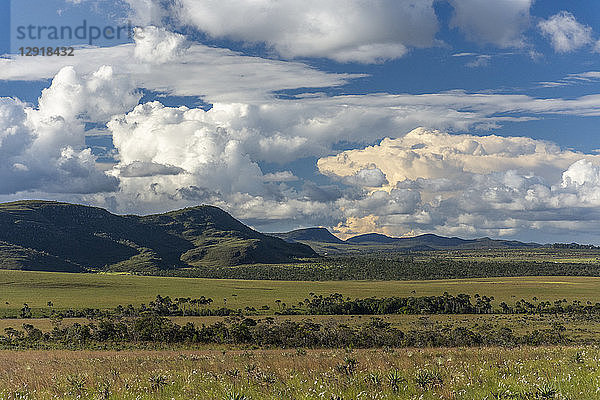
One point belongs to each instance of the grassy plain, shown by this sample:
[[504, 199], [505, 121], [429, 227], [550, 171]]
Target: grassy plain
[[427, 374], [67, 290]]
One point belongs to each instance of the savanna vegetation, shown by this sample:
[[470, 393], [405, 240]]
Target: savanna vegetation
[[148, 325], [526, 337], [350, 374], [419, 266]]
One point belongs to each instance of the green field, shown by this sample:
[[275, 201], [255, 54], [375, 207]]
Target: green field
[[67, 290]]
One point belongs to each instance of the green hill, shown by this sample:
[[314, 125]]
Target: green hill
[[52, 236]]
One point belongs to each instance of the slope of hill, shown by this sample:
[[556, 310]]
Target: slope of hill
[[55, 236], [310, 235]]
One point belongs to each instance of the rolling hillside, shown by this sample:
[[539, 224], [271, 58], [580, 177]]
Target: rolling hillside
[[51, 236]]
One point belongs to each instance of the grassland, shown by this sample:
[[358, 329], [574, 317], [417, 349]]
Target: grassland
[[67, 290], [241, 372], [427, 374]]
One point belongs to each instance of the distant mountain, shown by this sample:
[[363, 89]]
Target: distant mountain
[[323, 242], [432, 242], [371, 238], [309, 234], [51, 236]]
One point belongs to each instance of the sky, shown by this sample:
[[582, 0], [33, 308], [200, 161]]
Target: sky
[[464, 118]]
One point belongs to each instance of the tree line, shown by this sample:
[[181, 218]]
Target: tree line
[[388, 267], [267, 333], [334, 304]]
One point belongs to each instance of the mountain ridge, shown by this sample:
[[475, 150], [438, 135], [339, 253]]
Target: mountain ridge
[[35, 234], [378, 241]]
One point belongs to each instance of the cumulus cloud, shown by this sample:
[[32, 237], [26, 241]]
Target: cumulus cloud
[[498, 22], [428, 154], [367, 177], [15, 136], [565, 33], [157, 45], [95, 97], [44, 148], [184, 138], [364, 32], [581, 173], [138, 169], [469, 185]]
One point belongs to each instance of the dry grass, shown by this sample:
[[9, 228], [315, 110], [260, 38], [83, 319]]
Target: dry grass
[[476, 373]]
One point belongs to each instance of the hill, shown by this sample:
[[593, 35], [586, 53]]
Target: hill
[[323, 242], [52, 236], [371, 238], [434, 242], [310, 235]]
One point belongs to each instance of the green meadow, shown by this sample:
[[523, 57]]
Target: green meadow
[[68, 290]]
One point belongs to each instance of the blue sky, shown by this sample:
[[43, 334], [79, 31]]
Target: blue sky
[[458, 117]]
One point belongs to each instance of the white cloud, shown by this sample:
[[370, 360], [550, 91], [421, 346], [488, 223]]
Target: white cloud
[[284, 130], [482, 60], [498, 22], [157, 45], [138, 169], [581, 173], [96, 97], [186, 139], [470, 186], [367, 177], [364, 32], [307, 125], [44, 148], [428, 154], [212, 73], [565, 33], [15, 137], [280, 176], [574, 79]]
